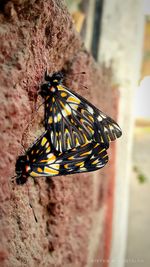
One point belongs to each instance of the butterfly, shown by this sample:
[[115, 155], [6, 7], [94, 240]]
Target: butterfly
[[71, 120], [42, 159]]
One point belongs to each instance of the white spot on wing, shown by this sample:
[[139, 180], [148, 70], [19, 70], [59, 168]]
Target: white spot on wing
[[58, 161], [64, 113], [74, 106], [52, 136], [99, 118], [103, 116], [111, 127], [105, 129], [90, 110]]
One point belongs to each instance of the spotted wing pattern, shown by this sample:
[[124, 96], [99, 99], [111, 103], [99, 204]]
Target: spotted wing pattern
[[44, 160], [73, 121]]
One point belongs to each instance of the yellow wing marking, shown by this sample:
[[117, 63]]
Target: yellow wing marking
[[83, 169], [59, 117], [81, 164], [48, 150], [102, 150], [102, 141], [44, 140], [104, 156], [108, 137], [95, 162], [66, 111], [39, 169], [82, 120], [87, 141], [66, 130], [63, 94], [51, 157], [68, 142], [77, 141], [50, 120], [90, 129], [51, 171], [44, 160], [70, 158], [73, 99], [62, 104], [60, 87], [97, 145], [85, 153], [91, 118], [66, 166], [34, 174], [84, 144]]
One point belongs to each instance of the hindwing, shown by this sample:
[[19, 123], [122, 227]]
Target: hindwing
[[43, 160]]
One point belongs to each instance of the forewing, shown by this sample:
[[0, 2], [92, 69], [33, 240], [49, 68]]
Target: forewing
[[69, 124], [73, 121], [104, 129]]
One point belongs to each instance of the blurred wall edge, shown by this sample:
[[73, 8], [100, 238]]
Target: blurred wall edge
[[121, 48]]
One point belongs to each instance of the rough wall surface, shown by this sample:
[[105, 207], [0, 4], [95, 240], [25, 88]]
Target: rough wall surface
[[71, 211]]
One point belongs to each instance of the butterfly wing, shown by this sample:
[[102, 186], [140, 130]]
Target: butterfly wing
[[105, 128], [73, 121], [69, 124], [46, 161], [42, 157], [86, 158]]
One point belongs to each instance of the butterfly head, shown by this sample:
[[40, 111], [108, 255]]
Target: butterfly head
[[22, 169], [51, 83], [57, 77]]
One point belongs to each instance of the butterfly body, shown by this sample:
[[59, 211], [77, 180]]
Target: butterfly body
[[71, 120], [42, 159], [22, 166]]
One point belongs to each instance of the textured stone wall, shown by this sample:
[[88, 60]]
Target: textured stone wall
[[74, 212]]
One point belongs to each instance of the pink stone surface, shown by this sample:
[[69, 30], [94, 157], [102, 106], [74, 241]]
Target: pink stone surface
[[36, 35]]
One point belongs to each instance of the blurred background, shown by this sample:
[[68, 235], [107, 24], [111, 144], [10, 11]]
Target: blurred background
[[117, 33]]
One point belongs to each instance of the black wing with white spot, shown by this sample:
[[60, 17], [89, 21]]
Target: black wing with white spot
[[71, 120]]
